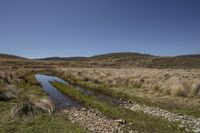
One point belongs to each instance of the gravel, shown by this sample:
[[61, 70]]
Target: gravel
[[94, 121], [189, 123]]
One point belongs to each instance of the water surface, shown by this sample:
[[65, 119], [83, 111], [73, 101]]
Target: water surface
[[64, 101], [61, 100]]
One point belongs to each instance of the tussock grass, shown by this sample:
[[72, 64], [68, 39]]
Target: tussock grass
[[186, 88], [31, 105], [176, 90], [177, 82], [8, 92]]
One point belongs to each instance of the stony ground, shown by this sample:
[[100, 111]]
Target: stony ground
[[94, 121], [189, 123]]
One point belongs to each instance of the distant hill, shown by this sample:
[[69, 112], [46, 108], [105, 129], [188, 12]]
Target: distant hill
[[194, 55], [62, 58], [128, 59], [116, 60], [119, 55], [11, 57]]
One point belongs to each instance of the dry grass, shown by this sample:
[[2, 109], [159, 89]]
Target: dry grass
[[9, 76], [175, 82], [8, 92], [31, 105]]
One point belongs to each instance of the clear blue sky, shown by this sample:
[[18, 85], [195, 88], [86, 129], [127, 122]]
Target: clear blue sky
[[41, 28]]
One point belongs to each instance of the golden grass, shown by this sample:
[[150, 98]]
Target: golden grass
[[175, 82]]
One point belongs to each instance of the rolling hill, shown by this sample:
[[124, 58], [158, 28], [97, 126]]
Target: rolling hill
[[116, 60], [11, 57]]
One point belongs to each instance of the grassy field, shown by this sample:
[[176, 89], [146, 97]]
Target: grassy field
[[35, 122], [26, 108], [176, 90]]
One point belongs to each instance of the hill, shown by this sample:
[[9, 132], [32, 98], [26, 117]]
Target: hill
[[11, 57], [128, 59], [63, 58], [116, 60]]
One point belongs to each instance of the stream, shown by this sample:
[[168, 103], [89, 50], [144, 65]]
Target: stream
[[63, 101]]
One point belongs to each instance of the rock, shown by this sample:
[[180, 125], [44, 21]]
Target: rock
[[121, 121], [83, 109], [91, 129], [76, 114]]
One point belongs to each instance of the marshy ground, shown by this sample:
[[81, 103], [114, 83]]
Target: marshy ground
[[107, 100]]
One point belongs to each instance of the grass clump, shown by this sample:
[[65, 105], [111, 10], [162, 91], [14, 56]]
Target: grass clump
[[32, 105], [187, 88], [9, 92], [40, 123]]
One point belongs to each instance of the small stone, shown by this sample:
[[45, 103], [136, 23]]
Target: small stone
[[83, 109], [76, 115], [121, 121], [91, 129]]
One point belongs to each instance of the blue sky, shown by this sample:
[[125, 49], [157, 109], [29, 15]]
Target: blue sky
[[42, 28]]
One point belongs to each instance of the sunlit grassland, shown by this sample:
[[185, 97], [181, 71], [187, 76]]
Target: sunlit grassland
[[144, 86]]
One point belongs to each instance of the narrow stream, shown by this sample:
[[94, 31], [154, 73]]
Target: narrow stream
[[61, 100], [64, 101]]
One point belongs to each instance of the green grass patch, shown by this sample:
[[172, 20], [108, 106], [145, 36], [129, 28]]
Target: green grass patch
[[56, 123]]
